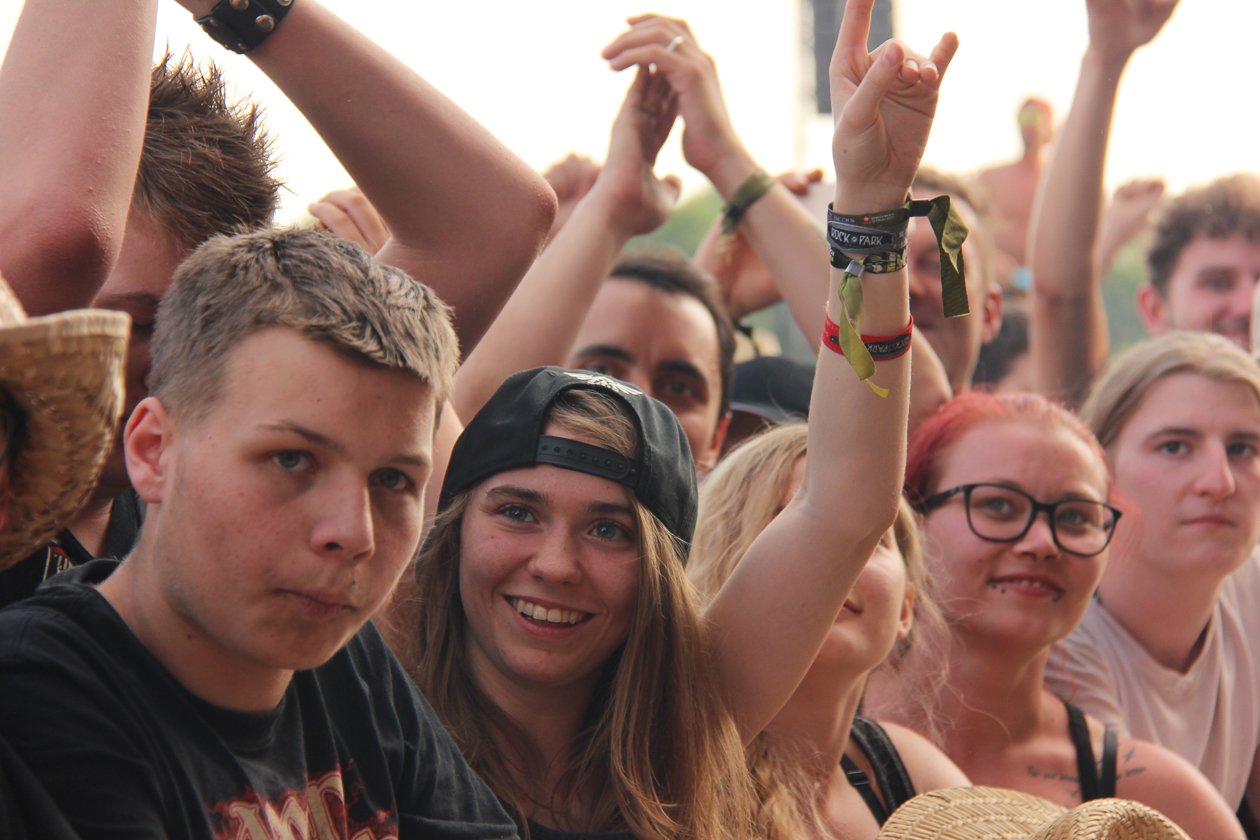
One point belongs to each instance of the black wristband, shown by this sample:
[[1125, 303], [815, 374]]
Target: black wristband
[[241, 25]]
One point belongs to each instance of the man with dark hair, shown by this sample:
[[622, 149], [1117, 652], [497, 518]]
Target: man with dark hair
[[1204, 261], [657, 323], [98, 220], [224, 680]]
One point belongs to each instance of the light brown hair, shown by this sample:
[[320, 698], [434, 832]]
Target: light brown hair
[[205, 166], [1223, 208], [659, 754], [327, 289]]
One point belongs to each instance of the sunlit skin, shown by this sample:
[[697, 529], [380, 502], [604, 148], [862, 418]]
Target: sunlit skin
[[1211, 288], [879, 609], [667, 345], [1187, 468], [1027, 592], [554, 539], [279, 522]]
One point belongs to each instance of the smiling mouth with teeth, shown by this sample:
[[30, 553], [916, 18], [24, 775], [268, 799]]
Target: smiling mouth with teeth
[[1001, 584], [537, 612]]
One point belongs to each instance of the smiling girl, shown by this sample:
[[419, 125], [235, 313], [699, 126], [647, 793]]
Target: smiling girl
[[1014, 492], [560, 641]]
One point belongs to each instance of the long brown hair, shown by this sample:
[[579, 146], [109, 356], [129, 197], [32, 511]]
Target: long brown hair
[[658, 751]]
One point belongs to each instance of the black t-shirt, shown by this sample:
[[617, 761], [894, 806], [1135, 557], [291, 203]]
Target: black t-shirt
[[66, 552], [352, 751], [27, 812]]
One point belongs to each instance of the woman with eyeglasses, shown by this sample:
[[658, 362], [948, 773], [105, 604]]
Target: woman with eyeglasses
[[1168, 649], [1014, 497]]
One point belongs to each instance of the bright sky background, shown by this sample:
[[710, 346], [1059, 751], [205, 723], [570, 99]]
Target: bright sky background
[[531, 72]]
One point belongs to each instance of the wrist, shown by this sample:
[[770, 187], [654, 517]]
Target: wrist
[[730, 171]]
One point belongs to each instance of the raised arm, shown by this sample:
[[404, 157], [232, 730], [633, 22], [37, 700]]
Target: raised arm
[[542, 318], [466, 215], [771, 615], [74, 89], [1067, 321]]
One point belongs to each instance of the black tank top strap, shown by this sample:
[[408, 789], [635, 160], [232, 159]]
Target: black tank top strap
[[1094, 785], [891, 778]]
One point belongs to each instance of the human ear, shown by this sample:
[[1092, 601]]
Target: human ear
[[1152, 309], [905, 621], [147, 440]]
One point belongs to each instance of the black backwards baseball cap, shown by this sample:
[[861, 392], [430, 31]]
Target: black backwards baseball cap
[[507, 434]]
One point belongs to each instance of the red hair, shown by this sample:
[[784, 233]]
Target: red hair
[[963, 413]]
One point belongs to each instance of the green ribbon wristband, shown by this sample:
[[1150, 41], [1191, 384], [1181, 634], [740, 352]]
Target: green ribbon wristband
[[950, 231], [746, 195]]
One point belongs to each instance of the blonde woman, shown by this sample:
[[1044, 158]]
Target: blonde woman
[[819, 769]]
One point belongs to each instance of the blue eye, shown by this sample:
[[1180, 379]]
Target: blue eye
[[291, 460], [607, 529]]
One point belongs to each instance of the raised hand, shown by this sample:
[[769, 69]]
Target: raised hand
[[350, 215], [1118, 27], [883, 102], [571, 179], [709, 141], [643, 200]]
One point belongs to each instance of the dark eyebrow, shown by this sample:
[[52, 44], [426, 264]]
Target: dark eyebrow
[[611, 509], [1175, 430], [613, 351], [509, 491], [524, 494], [684, 367], [328, 443]]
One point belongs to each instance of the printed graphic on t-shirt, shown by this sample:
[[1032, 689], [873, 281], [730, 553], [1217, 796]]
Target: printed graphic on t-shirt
[[317, 813]]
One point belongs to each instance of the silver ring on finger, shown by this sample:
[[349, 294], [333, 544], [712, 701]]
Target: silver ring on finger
[[674, 43]]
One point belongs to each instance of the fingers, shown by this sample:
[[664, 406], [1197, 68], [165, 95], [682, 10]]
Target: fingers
[[943, 53], [572, 177], [890, 64], [349, 214], [798, 182], [855, 28]]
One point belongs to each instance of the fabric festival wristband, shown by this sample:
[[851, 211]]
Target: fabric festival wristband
[[882, 348], [241, 25], [746, 195]]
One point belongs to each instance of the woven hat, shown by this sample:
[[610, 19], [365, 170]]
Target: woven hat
[[64, 372], [507, 433], [991, 813]]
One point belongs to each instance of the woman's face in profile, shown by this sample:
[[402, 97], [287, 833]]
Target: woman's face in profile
[[1028, 588]]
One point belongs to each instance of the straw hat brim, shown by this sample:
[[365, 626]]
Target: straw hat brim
[[65, 371], [989, 813]]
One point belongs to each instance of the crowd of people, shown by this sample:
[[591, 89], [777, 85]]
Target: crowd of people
[[429, 521]]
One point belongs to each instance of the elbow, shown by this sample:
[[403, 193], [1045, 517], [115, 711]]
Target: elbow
[[56, 257]]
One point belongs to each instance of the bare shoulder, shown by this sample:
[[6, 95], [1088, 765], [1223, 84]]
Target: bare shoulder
[[928, 766], [1158, 777]]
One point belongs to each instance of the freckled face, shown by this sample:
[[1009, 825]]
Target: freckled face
[[285, 516], [549, 577]]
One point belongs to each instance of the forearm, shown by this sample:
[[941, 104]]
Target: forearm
[[1068, 327], [74, 90], [541, 319], [466, 215]]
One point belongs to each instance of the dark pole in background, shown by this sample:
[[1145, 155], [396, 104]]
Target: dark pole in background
[[827, 15]]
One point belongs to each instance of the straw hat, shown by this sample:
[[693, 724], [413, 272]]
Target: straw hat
[[990, 813], [65, 374]]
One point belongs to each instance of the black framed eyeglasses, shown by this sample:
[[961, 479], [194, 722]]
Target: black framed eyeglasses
[[1000, 513]]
